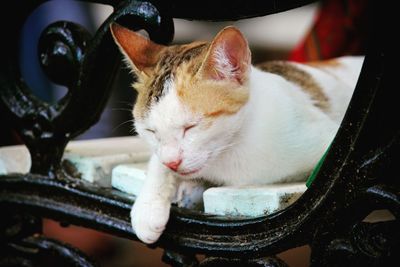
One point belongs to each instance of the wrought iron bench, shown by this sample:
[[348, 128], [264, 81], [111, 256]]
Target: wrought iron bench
[[357, 176]]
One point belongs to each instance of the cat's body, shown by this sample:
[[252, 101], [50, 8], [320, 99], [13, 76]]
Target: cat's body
[[207, 113], [301, 129]]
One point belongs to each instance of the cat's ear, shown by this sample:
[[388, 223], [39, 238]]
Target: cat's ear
[[228, 57], [140, 52]]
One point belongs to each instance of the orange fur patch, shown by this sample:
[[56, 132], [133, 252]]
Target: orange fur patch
[[203, 96], [151, 87], [324, 63], [211, 98]]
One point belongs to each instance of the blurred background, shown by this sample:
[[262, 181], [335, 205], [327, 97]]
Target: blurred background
[[270, 37], [276, 36]]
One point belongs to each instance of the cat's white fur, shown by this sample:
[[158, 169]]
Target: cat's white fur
[[278, 135]]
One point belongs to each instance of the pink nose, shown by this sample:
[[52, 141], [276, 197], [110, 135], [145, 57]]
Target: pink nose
[[173, 165]]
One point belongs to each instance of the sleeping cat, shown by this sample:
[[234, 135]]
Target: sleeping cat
[[208, 113]]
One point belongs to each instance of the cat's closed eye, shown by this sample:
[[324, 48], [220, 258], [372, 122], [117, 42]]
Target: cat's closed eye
[[187, 128], [150, 130]]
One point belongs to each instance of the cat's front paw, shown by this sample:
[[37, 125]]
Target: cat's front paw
[[149, 218]]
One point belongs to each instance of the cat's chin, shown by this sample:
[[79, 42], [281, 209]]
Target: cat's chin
[[188, 173]]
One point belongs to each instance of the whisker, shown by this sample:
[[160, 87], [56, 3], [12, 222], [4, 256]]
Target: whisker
[[121, 109], [133, 128], [207, 163], [225, 148], [130, 104], [119, 125]]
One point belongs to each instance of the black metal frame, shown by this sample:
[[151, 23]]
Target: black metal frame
[[357, 176]]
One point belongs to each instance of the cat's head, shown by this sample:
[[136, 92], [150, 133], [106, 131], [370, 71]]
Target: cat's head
[[191, 97]]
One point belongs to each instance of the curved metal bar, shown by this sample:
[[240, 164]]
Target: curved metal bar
[[263, 262], [234, 10], [78, 202], [14, 94], [362, 244], [46, 128], [219, 10], [100, 63], [70, 200], [41, 251]]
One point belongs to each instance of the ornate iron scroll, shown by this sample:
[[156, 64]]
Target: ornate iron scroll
[[70, 57], [355, 178], [41, 251]]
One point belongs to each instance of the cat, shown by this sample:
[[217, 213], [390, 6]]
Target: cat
[[208, 113]]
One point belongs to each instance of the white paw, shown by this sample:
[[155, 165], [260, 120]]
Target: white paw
[[149, 218]]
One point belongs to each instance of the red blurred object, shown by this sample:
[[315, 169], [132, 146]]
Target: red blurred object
[[339, 29], [89, 241]]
